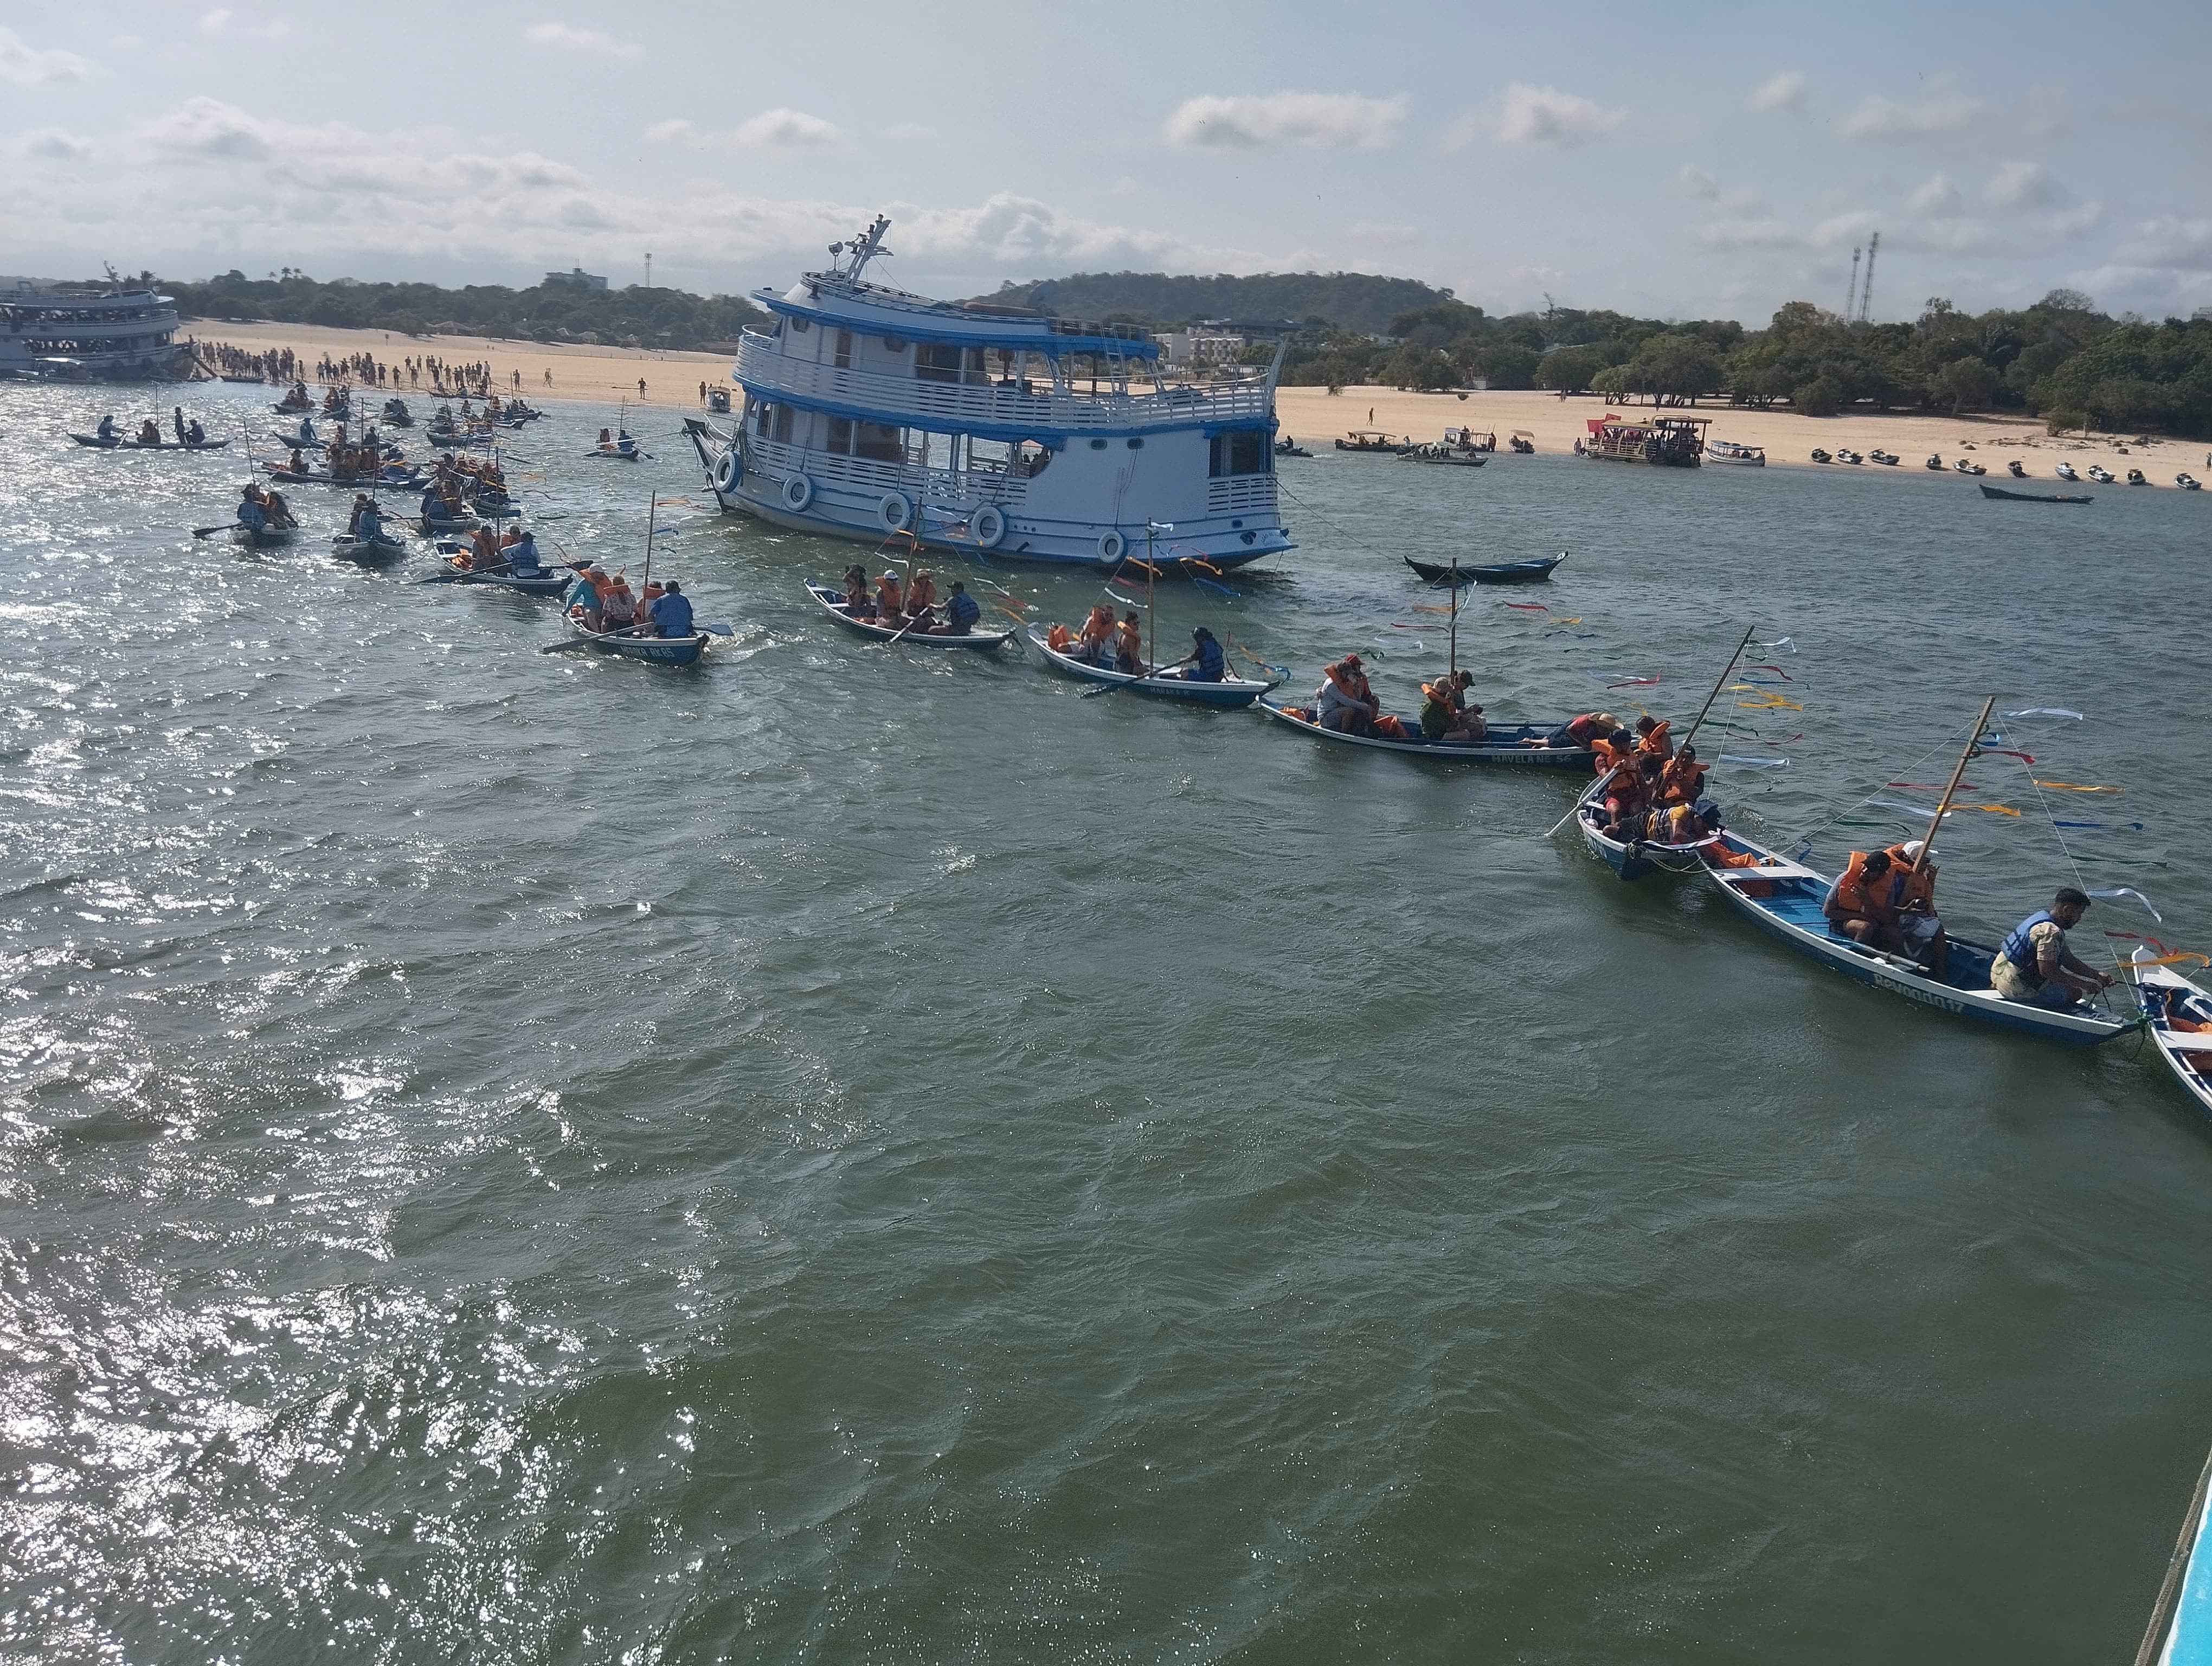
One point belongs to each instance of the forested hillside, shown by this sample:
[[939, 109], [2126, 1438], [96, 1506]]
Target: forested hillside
[[1353, 301], [552, 311]]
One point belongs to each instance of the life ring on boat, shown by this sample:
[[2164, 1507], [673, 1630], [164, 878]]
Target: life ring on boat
[[798, 493], [1112, 546], [728, 467], [896, 511], [989, 526]]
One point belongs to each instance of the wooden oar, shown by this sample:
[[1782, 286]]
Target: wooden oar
[[585, 642], [1157, 671], [210, 531]]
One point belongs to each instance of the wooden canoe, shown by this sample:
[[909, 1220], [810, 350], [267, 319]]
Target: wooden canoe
[[1512, 744], [1784, 899], [1232, 690], [654, 650], [832, 602], [2034, 497], [1504, 572]]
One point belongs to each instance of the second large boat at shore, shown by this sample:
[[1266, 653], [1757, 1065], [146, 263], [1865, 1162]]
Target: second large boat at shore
[[994, 430]]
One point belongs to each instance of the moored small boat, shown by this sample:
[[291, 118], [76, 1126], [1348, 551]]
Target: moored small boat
[[2065, 472], [2187, 483], [1820, 456], [2032, 497], [1373, 440], [1513, 743], [1230, 691], [1966, 466], [2016, 469], [2100, 474], [1844, 456], [1934, 462], [1728, 451], [2178, 1013], [654, 650], [1447, 454], [1785, 898], [832, 603], [1887, 458], [1533, 571], [2136, 478]]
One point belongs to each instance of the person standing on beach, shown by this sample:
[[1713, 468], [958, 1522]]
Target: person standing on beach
[[641, 387]]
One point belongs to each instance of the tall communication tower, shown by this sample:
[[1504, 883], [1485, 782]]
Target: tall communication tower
[[1852, 294], [1866, 295]]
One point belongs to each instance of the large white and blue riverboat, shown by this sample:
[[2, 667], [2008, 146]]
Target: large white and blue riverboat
[[73, 332], [997, 431]]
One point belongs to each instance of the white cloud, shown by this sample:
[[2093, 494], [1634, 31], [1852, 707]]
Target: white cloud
[[1124, 186], [668, 132], [2022, 185], [1382, 233], [1938, 198], [910, 132], [1690, 180], [53, 145], [789, 130], [560, 35], [1787, 91], [28, 66], [1319, 121], [224, 22], [1943, 112], [2169, 241], [1547, 117]]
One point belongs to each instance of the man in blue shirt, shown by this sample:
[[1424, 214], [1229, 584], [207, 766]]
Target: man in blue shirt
[[961, 611], [672, 612], [1212, 661], [522, 556], [250, 512]]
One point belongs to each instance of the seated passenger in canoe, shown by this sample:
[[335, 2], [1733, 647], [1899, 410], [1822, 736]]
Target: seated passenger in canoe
[[1858, 905], [857, 601], [1651, 737], [1912, 901], [1682, 778], [2035, 966], [1577, 732], [921, 595], [483, 555], [278, 511], [521, 553], [961, 612], [194, 434], [617, 605], [890, 611], [251, 515], [149, 433], [106, 428], [1446, 716], [1096, 637], [1129, 645], [1627, 797], [1208, 664], [672, 612], [1344, 700]]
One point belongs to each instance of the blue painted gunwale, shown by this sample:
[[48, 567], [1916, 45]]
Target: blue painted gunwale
[[1232, 691], [1500, 747]]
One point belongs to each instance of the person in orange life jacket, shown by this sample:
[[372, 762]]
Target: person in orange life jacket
[[1347, 703], [1129, 645], [1629, 795], [920, 593], [1581, 730], [2035, 966], [891, 612], [1912, 899], [1651, 737], [1445, 714], [583, 598], [1857, 904], [1682, 779], [1097, 635]]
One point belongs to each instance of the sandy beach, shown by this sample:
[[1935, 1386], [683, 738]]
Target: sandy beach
[[1316, 417], [1313, 414]]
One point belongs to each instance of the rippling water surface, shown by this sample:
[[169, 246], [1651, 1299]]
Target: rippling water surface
[[852, 1155]]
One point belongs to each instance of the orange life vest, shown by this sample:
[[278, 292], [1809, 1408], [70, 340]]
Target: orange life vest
[[1060, 639], [1904, 885], [1352, 684], [1610, 757], [1656, 745], [887, 597], [1680, 785], [1853, 895]]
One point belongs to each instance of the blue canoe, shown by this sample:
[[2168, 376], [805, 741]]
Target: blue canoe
[[1784, 897], [1515, 743], [1636, 859], [654, 650], [1232, 690]]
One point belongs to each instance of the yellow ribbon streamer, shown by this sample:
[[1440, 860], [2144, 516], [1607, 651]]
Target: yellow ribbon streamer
[[2068, 787]]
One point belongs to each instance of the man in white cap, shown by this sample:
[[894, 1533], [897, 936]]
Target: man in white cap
[[1912, 898]]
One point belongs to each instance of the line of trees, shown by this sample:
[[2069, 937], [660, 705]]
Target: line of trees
[[2060, 359], [557, 311]]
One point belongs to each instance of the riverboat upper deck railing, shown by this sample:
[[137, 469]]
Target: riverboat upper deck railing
[[1136, 338], [1028, 408]]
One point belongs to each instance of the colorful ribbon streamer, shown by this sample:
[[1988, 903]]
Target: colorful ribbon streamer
[[2129, 890]]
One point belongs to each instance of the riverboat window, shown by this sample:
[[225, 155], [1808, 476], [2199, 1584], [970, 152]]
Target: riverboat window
[[772, 422], [1097, 445], [942, 361], [1031, 459], [800, 327], [839, 440], [844, 350], [1238, 451], [893, 345], [925, 450], [877, 442], [1136, 444], [987, 456]]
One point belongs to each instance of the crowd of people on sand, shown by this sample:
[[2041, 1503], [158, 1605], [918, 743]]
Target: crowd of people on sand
[[1101, 642], [604, 604], [911, 606], [282, 364]]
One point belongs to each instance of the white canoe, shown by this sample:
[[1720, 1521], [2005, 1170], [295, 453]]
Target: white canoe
[[1230, 690]]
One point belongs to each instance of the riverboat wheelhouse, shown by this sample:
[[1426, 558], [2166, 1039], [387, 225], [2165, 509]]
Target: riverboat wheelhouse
[[1676, 442], [993, 430], [75, 333]]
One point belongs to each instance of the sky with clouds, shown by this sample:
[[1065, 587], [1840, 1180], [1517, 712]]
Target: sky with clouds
[[1709, 163]]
